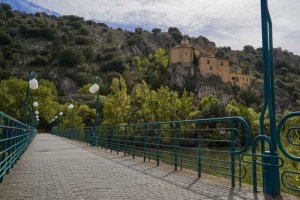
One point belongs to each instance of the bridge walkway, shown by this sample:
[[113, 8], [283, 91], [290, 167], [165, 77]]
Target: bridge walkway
[[58, 168]]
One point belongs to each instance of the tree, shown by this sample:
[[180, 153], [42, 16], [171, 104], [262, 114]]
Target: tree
[[5, 38], [13, 95], [82, 40], [156, 31], [117, 104], [142, 103], [175, 33], [70, 57]]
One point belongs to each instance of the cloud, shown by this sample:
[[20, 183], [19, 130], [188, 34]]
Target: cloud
[[232, 23]]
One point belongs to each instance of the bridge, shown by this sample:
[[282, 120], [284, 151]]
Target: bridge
[[213, 158]]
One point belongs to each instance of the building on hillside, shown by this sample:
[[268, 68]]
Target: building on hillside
[[207, 65]]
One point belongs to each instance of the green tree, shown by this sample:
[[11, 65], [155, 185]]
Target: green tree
[[117, 104], [142, 103], [5, 38], [70, 57]]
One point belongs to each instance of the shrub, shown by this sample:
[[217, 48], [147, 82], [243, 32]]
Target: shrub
[[89, 53], [76, 24], [82, 40], [103, 25], [84, 31], [138, 30], [156, 30], [175, 33], [5, 38], [39, 61], [48, 33], [90, 22], [70, 57], [116, 64]]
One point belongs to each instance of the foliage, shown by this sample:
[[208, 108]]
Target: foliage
[[117, 104], [39, 61], [70, 57], [13, 95], [5, 38], [82, 40], [175, 33]]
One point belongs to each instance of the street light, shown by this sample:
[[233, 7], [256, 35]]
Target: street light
[[32, 84], [35, 104], [71, 107], [95, 89], [36, 112]]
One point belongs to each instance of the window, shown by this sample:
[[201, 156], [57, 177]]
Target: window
[[211, 67], [221, 63], [208, 61], [186, 53], [234, 78]]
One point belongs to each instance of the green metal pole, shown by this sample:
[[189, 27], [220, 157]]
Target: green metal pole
[[176, 144], [271, 178], [157, 144], [232, 154], [199, 140]]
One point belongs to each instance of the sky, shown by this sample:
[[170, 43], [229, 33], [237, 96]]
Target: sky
[[232, 23]]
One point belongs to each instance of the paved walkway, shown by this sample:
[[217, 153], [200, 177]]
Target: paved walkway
[[57, 168]]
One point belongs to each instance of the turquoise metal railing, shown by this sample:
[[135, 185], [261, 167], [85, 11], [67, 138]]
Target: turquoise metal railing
[[15, 137], [210, 146], [288, 139]]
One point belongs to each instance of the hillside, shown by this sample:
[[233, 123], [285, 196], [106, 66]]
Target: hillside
[[71, 51]]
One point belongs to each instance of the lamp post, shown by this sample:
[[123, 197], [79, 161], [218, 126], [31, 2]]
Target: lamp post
[[95, 89], [32, 84], [71, 107]]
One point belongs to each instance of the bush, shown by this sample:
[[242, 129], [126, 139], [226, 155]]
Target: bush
[[175, 33], [89, 53], [82, 40], [6, 6], [103, 25], [156, 30], [90, 22], [48, 33], [139, 30], [70, 57], [116, 64], [84, 31], [39, 61], [5, 38], [73, 18], [76, 24]]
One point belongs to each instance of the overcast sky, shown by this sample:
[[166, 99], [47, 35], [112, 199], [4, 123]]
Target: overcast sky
[[232, 23]]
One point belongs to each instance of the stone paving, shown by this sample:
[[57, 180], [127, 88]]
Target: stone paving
[[58, 168]]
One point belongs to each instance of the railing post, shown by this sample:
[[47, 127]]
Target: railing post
[[106, 138], [145, 141], [199, 146], [112, 138], [4, 146], [232, 154], [133, 148], [118, 139], [157, 130], [125, 140], [176, 144]]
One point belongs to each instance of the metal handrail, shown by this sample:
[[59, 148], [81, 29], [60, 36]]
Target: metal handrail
[[182, 143], [14, 140]]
